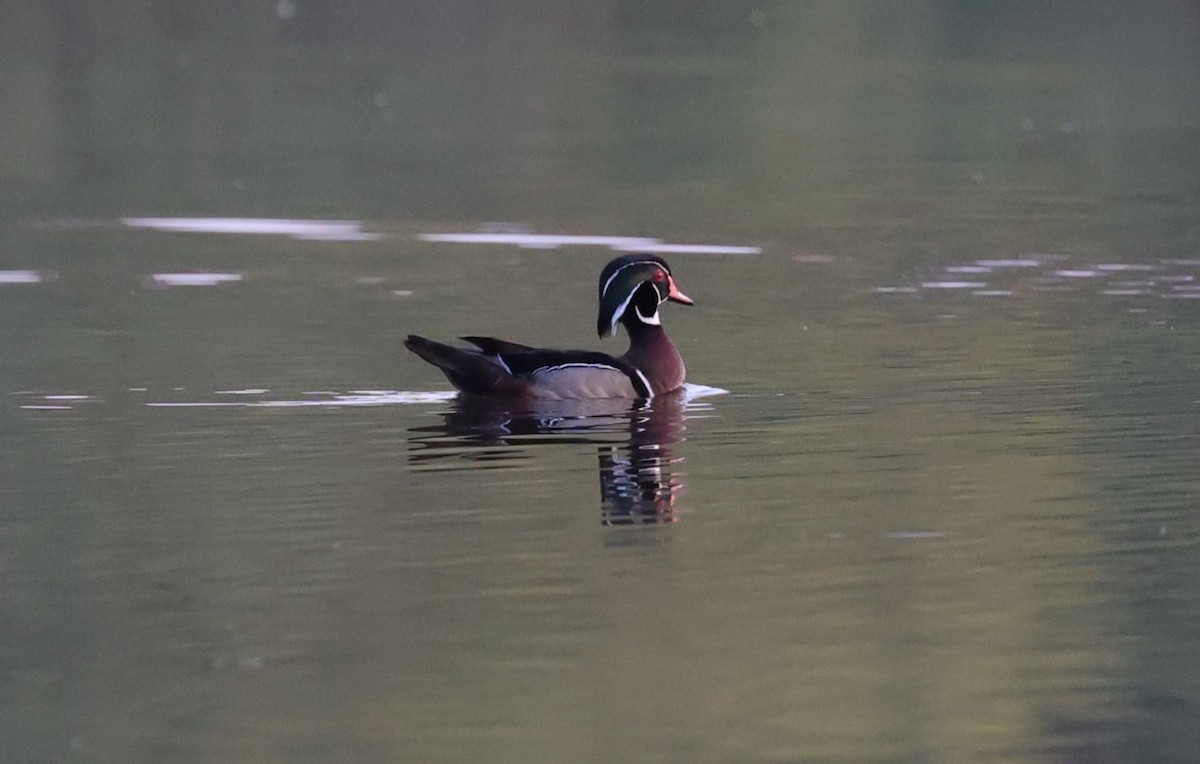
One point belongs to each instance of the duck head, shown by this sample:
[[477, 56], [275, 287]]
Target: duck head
[[631, 289]]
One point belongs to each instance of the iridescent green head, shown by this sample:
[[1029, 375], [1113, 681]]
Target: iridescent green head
[[631, 289]]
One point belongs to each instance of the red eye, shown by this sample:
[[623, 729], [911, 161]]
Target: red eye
[[660, 276]]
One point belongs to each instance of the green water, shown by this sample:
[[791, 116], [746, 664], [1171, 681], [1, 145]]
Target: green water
[[941, 507]]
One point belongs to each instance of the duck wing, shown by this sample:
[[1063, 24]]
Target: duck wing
[[569, 374], [508, 369], [493, 346]]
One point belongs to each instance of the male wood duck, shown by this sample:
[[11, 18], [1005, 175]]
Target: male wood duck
[[631, 289]]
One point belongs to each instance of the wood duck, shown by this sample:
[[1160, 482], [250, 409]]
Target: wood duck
[[630, 290]]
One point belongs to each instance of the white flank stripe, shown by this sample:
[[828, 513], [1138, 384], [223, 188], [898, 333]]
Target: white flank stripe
[[546, 369], [641, 376]]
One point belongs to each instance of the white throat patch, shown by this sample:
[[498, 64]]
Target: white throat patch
[[652, 319]]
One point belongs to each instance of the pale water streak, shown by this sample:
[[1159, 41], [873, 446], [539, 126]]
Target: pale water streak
[[21, 277], [312, 230], [318, 399], [1166, 279], [195, 279], [618, 243]]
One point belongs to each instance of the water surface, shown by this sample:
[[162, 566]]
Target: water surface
[[932, 498]]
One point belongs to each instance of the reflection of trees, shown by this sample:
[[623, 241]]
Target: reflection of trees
[[816, 111]]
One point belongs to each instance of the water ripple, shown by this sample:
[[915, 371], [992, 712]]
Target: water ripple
[[1169, 279]]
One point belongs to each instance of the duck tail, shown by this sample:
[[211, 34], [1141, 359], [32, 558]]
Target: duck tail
[[467, 370]]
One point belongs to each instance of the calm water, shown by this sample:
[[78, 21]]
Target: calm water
[[933, 495]]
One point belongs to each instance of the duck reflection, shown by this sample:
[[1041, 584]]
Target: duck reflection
[[640, 479], [639, 472]]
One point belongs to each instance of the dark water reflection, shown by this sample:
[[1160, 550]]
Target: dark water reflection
[[637, 445]]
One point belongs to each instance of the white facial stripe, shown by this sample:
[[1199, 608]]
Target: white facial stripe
[[503, 365], [655, 263], [620, 311]]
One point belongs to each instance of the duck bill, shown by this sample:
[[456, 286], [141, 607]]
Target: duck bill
[[676, 296]]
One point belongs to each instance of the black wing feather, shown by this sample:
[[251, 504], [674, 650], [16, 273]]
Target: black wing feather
[[493, 346], [471, 370]]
